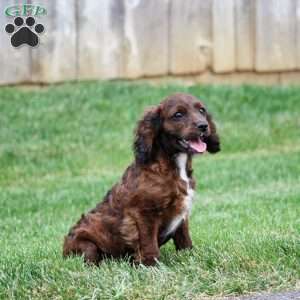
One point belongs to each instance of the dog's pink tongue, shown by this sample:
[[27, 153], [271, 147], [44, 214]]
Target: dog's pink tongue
[[198, 145]]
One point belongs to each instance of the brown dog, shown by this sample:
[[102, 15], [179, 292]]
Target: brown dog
[[152, 202]]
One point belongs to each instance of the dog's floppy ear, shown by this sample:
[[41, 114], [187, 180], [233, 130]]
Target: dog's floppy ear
[[146, 132], [213, 140]]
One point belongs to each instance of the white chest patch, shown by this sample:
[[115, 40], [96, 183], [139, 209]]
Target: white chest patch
[[181, 161]]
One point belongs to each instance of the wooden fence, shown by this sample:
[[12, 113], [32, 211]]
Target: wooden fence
[[104, 39]]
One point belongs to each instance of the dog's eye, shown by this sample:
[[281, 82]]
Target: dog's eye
[[202, 110], [178, 115]]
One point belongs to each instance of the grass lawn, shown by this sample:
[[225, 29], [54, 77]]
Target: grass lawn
[[61, 149]]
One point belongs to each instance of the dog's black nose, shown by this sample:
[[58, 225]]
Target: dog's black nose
[[202, 126]]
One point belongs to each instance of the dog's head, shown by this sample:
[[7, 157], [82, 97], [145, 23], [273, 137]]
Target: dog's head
[[180, 123]]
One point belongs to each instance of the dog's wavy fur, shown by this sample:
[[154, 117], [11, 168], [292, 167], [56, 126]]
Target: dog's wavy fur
[[135, 216]]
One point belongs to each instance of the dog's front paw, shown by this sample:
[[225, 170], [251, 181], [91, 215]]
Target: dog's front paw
[[150, 261], [184, 244], [147, 261]]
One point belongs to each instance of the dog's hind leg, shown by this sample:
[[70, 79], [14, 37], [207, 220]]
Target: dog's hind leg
[[87, 249], [90, 252]]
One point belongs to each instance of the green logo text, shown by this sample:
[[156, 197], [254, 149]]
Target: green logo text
[[25, 10]]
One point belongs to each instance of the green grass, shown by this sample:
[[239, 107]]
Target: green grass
[[61, 149]]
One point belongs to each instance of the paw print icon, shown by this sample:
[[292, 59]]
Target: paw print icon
[[24, 32]]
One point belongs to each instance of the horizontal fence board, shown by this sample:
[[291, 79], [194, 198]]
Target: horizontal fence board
[[298, 34], [190, 36], [275, 35], [146, 38], [224, 56], [100, 39], [54, 59], [111, 39], [14, 62], [245, 42]]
